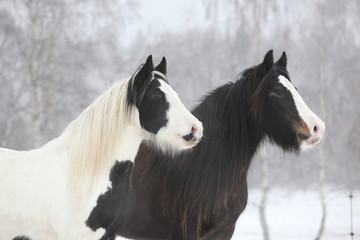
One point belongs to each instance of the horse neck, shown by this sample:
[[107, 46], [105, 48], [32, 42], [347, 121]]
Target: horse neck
[[215, 171], [227, 116], [107, 130]]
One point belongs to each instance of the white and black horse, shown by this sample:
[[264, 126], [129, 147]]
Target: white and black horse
[[48, 193], [201, 193]]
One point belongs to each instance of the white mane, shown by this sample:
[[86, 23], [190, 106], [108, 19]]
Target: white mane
[[93, 137]]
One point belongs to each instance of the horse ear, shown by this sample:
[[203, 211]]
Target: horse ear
[[162, 66], [146, 69], [139, 78], [267, 63], [144, 72], [282, 60]]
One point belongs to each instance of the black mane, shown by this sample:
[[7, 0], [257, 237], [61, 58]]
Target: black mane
[[202, 184]]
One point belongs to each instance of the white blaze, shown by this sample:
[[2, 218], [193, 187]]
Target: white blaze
[[310, 118]]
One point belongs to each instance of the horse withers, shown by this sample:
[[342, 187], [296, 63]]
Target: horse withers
[[49, 193]]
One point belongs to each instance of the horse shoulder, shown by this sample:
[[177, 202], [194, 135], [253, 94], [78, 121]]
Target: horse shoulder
[[31, 181]]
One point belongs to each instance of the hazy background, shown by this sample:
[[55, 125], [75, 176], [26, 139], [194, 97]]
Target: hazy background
[[57, 56]]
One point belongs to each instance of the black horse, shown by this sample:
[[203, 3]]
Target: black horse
[[200, 194]]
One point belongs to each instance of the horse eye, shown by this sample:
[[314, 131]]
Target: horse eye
[[156, 95], [279, 91]]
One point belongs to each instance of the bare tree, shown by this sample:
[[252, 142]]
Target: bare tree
[[265, 192], [56, 60], [10, 76], [321, 161], [43, 32]]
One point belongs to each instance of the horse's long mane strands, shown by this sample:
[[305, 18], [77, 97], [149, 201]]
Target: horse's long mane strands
[[93, 137], [257, 100], [207, 184]]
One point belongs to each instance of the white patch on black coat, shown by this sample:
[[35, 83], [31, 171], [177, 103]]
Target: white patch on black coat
[[315, 125]]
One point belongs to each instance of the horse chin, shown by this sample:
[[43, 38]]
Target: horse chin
[[171, 145], [305, 141], [309, 143], [188, 143]]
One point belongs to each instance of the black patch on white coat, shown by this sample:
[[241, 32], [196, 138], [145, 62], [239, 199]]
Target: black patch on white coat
[[143, 91], [153, 108], [21, 238], [107, 213]]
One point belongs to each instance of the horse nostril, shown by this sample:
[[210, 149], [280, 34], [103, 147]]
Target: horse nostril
[[315, 129], [193, 129]]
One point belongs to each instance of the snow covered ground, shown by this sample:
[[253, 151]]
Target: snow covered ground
[[296, 216]]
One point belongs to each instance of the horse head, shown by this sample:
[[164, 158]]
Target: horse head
[[161, 113], [280, 110]]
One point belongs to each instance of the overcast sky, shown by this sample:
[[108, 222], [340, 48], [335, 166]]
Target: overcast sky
[[159, 16]]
